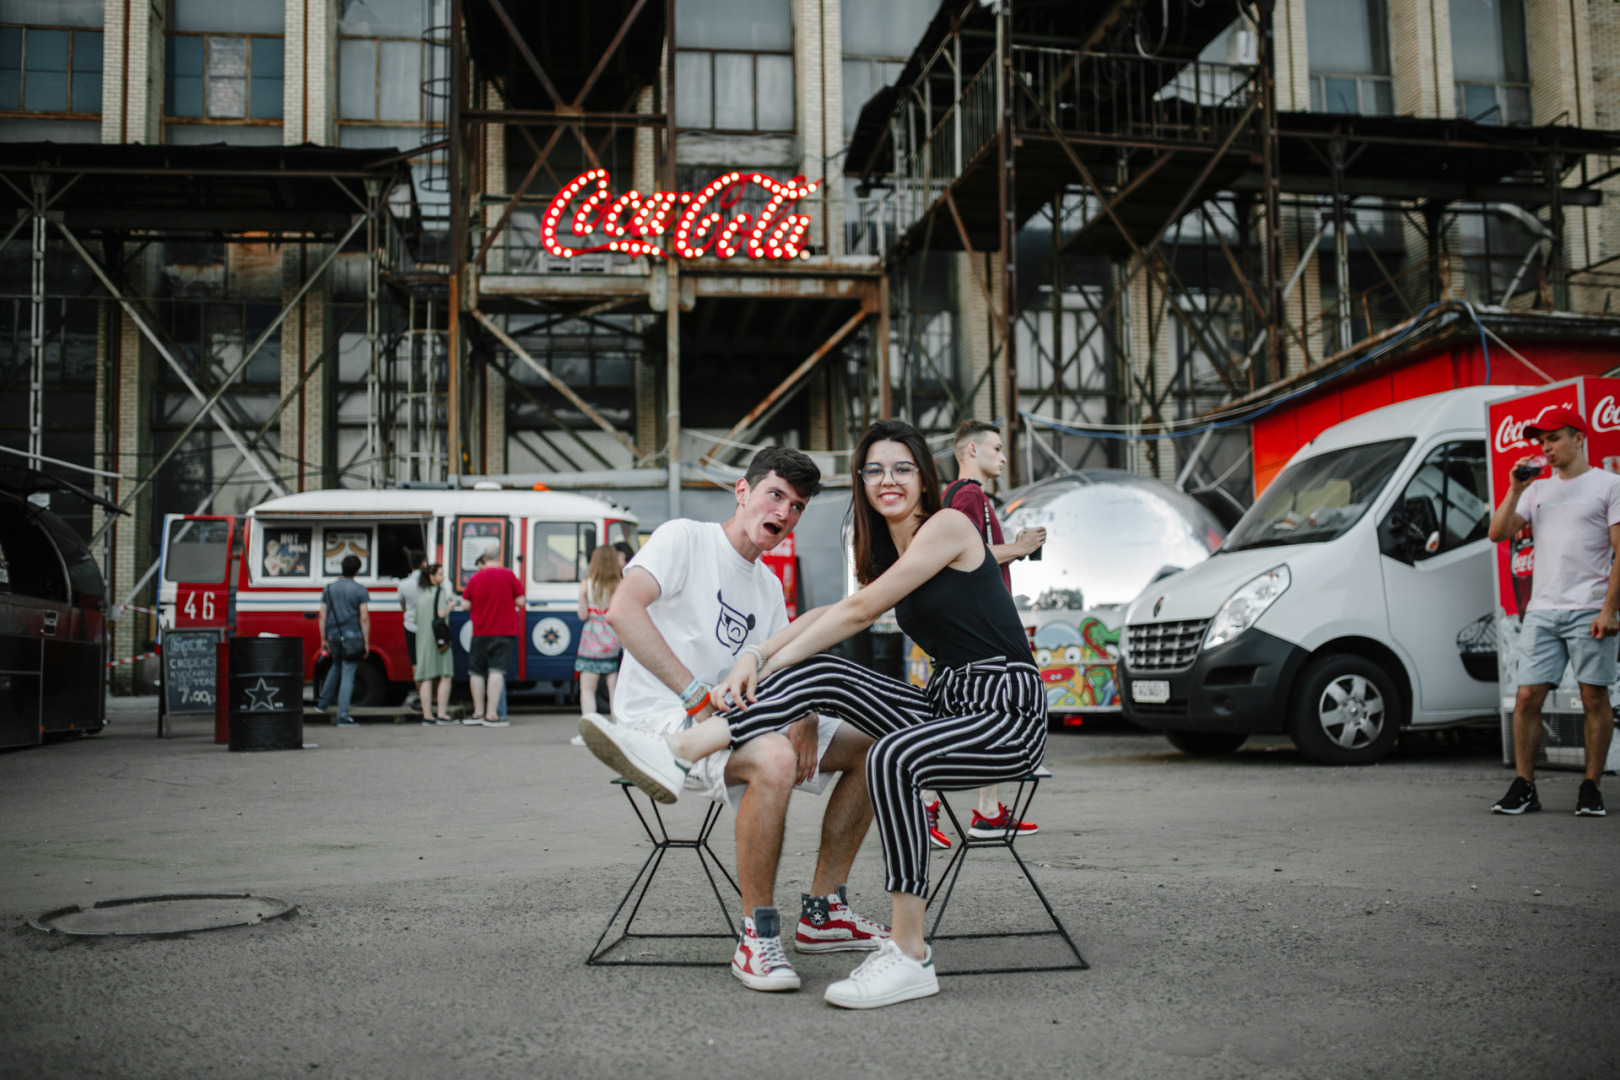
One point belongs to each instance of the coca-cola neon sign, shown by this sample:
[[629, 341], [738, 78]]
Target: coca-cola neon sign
[[635, 223]]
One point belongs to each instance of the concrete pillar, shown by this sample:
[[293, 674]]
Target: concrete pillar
[[1604, 30], [832, 124], [809, 66], [308, 433], [309, 90], [131, 377], [132, 72], [976, 340], [1292, 68], [1559, 34], [1420, 49]]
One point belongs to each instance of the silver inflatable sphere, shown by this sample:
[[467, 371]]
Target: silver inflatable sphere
[[1110, 533]]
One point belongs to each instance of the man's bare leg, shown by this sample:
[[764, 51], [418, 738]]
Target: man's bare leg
[[766, 765], [990, 801], [849, 810], [1599, 729], [497, 683], [477, 682], [1527, 729]]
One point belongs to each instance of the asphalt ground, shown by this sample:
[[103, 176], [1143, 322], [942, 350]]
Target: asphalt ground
[[1246, 916]]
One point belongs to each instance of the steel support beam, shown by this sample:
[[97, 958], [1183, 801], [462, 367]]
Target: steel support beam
[[556, 383]]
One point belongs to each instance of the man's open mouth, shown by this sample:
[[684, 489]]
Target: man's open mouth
[[774, 530]]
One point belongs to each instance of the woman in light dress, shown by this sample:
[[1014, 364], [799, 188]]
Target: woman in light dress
[[599, 648], [432, 662]]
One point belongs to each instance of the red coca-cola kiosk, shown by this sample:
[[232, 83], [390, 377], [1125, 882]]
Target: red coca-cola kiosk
[[1598, 401]]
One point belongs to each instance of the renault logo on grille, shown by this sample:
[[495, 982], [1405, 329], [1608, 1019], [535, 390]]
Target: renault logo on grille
[[1157, 604]]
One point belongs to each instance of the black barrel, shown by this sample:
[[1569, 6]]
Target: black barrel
[[266, 693]]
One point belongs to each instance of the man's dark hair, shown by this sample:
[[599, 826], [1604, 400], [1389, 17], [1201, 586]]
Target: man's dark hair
[[791, 465], [351, 565], [623, 548], [971, 430], [486, 557]]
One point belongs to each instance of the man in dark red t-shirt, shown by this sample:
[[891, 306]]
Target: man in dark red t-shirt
[[980, 459], [494, 595]]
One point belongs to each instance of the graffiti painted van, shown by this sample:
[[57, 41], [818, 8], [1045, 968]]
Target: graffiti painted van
[[1352, 600]]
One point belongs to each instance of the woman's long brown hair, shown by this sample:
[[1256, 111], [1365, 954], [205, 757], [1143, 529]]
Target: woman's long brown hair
[[873, 547], [604, 574]]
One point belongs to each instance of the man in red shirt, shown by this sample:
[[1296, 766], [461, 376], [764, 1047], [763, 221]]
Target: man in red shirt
[[980, 459], [494, 595]]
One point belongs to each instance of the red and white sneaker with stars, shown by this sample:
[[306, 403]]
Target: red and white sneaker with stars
[[826, 924], [759, 961]]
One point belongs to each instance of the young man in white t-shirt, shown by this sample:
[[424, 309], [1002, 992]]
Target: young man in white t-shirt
[[695, 596], [1571, 617]]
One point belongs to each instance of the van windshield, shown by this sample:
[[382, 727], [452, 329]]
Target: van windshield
[[1319, 498]]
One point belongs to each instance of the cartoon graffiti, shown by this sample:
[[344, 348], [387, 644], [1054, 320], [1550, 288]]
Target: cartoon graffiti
[[1076, 662]]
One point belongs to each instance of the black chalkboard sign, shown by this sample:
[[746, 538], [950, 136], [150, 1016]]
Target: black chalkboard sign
[[188, 670]]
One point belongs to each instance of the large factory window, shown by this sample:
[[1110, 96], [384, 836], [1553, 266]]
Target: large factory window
[[45, 69], [1349, 57], [734, 66], [1489, 61]]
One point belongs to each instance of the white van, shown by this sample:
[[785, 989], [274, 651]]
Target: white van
[[1352, 600]]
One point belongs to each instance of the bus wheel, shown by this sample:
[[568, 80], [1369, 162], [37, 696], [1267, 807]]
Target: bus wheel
[[1346, 711], [1205, 743], [370, 686]]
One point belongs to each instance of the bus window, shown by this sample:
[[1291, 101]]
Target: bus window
[[284, 551], [474, 537], [561, 550], [338, 542], [624, 532], [394, 539], [31, 561], [197, 551]]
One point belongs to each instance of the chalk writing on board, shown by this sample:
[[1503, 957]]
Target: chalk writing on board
[[188, 670]]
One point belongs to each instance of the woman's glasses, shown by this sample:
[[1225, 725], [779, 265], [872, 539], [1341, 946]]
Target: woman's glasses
[[902, 471]]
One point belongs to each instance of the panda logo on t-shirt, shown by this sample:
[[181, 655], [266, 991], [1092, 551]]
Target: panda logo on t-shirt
[[733, 626]]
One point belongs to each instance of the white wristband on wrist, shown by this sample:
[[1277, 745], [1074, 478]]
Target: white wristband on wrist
[[759, 657]]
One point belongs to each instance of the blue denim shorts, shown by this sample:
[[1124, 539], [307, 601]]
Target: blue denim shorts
[[1549, 640]]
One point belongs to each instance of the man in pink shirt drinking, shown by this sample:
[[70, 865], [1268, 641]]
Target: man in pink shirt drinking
[[1571, 616]]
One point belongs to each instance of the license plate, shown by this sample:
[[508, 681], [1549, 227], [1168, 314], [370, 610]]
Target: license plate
[[1150, 691]]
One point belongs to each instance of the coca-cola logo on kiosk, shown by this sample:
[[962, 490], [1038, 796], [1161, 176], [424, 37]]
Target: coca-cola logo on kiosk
[[1606, 417], [1510, 432]]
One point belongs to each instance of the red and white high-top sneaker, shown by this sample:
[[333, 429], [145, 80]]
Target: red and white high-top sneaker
[[759, 961], [826, 924]]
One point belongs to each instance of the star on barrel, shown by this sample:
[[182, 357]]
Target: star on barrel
[[262, 697]]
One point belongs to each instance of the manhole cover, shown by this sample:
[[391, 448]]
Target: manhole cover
[[155, 916]]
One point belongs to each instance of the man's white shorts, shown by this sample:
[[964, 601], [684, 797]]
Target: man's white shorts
[[708, 777]]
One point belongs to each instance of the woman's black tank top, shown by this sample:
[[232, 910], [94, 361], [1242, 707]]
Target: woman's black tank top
[[959, 616]]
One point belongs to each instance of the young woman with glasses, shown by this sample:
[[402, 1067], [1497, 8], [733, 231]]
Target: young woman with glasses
[[981, 719]]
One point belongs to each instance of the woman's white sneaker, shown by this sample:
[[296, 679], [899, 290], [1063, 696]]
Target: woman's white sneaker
[[887, 977], [639, 756]]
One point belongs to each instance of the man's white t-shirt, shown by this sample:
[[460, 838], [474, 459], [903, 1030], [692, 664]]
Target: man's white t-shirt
[[410, 587], [1571, 519], [711, 603]]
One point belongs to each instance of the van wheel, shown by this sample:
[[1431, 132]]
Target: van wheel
[[1346, 711], [1205, 743]]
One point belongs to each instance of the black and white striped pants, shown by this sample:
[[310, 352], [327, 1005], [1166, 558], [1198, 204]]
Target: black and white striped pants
[[973, 725]]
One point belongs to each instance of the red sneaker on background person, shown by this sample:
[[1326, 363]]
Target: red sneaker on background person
[[984, 828], [935, 837]]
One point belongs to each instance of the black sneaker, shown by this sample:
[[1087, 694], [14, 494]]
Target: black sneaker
[[1521, 796], [1589, 803]]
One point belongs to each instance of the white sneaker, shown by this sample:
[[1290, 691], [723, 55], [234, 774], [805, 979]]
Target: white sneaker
[[887, 977], [759, 960], [639, 756], [577, 740]]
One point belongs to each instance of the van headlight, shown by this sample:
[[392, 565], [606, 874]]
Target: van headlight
[[1244, 607]]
